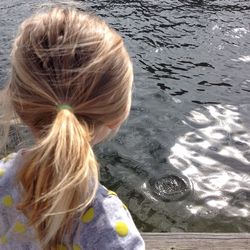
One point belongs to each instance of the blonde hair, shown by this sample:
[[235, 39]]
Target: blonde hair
[[64, 56]]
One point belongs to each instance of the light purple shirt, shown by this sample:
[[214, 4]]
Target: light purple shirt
[[106, 224]]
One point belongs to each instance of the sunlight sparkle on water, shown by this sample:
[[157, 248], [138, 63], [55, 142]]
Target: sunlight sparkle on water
[[217, 203], [194, 209], [212, 155], [198, 117], [244, 212]]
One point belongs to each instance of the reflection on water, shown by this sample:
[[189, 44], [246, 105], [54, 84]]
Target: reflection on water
[[190, 114], [215, 156], [213, 153]]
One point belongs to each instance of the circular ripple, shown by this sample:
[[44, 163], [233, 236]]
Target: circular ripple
[[170, 187]]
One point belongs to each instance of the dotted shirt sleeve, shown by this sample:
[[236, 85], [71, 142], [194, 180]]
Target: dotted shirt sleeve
[[108, 225], [13, 229], [7, 199]]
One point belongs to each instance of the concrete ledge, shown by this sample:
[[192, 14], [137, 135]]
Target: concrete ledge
[[200, 241]]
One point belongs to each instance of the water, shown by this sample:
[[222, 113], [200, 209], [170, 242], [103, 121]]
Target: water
[[190, 113]]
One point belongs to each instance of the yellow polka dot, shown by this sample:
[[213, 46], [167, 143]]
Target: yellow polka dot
[[88, 215], [7, 201], [110, 192], [76, 247], [61, 247], [2, 171], [121, 228], [19, 228], [3, 240]]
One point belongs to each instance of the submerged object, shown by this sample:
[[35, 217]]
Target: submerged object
[[170, 187]]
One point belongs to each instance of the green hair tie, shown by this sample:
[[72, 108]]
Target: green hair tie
[[64, 106]]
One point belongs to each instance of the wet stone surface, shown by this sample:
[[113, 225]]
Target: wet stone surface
[[170, 187]]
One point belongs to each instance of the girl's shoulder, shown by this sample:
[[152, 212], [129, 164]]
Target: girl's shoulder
[[108, 224], [9, 193], [6, 160], [7, 170]]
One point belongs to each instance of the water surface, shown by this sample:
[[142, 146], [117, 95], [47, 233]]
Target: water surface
[[190, 112]]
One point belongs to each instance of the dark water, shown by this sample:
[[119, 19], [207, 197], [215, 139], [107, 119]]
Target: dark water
[[190, 113]]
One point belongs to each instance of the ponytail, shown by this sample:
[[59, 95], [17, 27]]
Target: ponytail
[[59, 177]]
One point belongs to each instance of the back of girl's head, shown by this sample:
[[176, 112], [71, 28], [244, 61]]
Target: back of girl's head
[[73, 57], [65, 56]]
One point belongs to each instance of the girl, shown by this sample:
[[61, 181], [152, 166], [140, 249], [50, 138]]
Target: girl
[[70, 83]]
